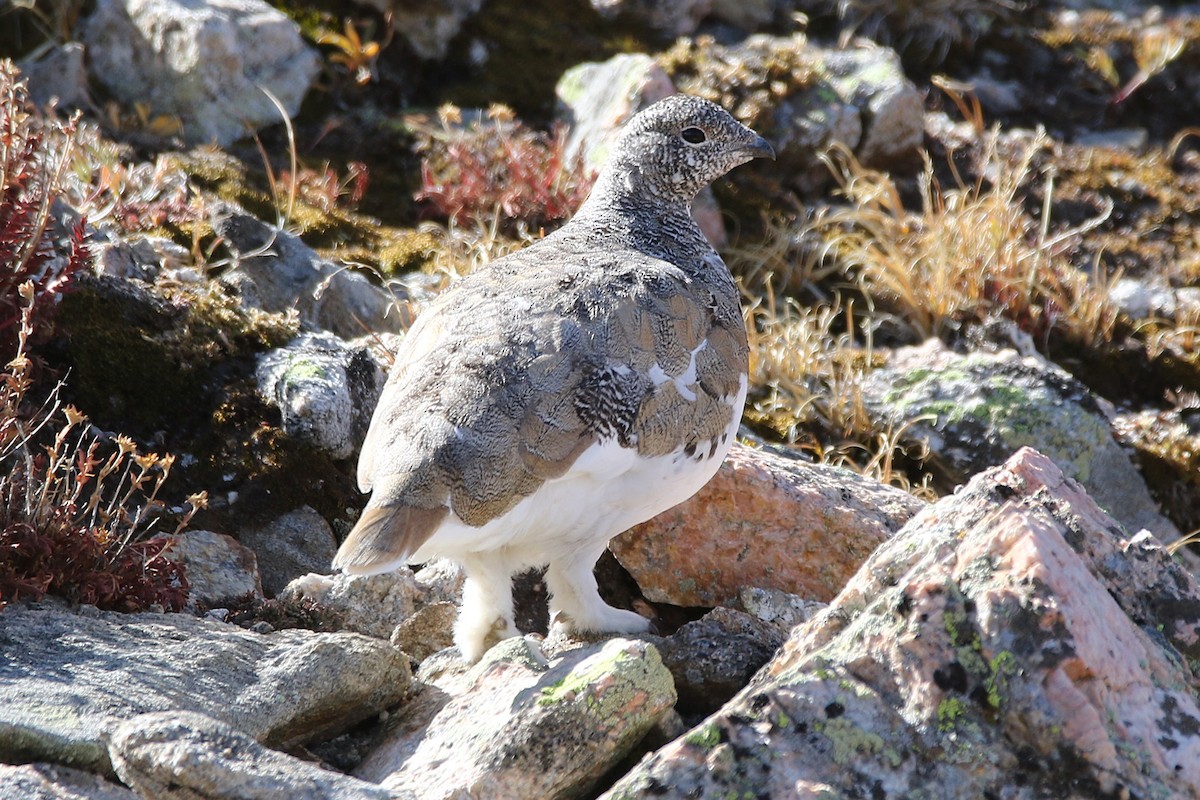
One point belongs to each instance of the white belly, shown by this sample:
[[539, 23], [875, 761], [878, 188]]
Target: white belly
[[608, 490]]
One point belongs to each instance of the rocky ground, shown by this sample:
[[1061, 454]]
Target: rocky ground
[[948, 558]]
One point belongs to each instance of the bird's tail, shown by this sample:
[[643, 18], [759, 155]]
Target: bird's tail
[[385, 536]]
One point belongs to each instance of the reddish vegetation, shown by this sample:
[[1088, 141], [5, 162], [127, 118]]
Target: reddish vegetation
[[502, 165]]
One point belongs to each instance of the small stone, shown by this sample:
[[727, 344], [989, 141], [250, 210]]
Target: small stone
[[368, 604], [428, 630], [324, 389], [295, 544], [218, 567], [55, 782], [522, 729]]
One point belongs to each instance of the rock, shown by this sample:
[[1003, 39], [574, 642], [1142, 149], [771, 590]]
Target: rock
[[428, 27], [984, 407], [442, 581], [597, 99], [368, 604], [295, 544], [871, 80], [1008, 642], [803, 99], [665, 18], [276, 271], [1136, 299], [203, 62], [522, 729], [763, 521], [218, 567], [189, 756], [429, 630], [65, 678], [58, 76], [784, 611], [325, 390], [52, 782], [713, 658]]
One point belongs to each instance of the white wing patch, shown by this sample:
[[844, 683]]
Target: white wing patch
[[684, 382]]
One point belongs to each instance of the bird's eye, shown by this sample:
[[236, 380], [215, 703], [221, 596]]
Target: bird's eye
[[693, 135]]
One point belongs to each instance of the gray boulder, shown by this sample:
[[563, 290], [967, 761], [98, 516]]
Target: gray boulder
[[1010, 641], [189, 756], [202, 61], [981, 408], [66, 678], [53, 782], [325, 390]]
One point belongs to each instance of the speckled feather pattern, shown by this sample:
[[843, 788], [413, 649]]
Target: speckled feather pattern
[[622, 327]]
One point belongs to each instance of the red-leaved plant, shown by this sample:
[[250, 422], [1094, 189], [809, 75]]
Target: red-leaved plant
[[499, 166]]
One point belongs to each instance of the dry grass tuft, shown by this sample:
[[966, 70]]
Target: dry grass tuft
[[969, 253], [808, 379]]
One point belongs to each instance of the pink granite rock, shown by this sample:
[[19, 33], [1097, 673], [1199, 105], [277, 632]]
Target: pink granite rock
[[1008, 642], [764, 521]]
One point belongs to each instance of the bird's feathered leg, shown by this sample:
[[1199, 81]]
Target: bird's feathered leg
[[486, 616], [575, 604]]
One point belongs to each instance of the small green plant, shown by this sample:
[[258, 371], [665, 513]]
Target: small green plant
[[499, 166]]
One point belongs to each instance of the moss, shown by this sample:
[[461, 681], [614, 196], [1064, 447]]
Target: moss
[[706, 736]]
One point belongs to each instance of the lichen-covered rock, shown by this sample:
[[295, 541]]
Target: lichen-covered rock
[[763, 521], [1010, 642], [190, 756], [203, 61], [218, 567], [52, 782], [597, 100], [519, 728], [368, 604], [981, 408], [295, 544], [781, 609], [276, 271], [65, 678], [325, 390]]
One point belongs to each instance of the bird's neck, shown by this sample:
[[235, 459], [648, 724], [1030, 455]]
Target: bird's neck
[[659, 226]]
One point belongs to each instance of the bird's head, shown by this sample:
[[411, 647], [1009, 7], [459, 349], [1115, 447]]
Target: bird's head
[[677, 146]]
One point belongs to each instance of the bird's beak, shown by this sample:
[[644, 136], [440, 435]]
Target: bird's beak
[[759, 148]]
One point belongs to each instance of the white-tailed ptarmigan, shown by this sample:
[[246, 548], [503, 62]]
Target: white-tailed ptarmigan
[[562, 394]]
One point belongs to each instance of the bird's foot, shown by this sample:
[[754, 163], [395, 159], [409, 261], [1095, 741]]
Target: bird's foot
[[598, 617], [475, 636]]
